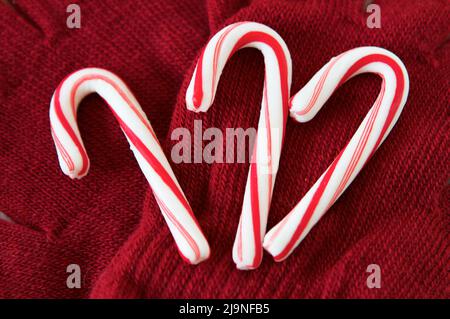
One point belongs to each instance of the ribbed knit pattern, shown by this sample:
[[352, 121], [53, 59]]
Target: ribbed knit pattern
[[395, 213]]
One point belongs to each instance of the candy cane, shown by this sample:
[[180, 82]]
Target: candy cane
[[74, 160], [247, 249], [281, 240]]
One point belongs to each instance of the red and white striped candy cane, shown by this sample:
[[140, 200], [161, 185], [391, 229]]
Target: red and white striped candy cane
[[282, 239], [247, 250], [74, 160]]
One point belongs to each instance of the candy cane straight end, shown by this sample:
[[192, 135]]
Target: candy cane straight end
[[74, 161], [206, 253], [270, 249], [246, 266], [281, 240]]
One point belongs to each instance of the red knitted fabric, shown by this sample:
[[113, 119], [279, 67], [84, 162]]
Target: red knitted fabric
[[395, 214]]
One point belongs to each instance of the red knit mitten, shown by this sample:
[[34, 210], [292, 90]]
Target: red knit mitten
[[393, 213]]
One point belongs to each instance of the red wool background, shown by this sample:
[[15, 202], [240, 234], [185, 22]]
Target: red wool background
[[395, 214]]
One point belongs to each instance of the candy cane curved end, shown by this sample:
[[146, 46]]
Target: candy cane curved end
[[282, 239], [74, 160], [203, 85], [247, 249], [305, 104]]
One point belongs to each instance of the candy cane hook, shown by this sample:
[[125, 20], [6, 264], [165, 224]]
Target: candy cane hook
[[74, 160], [282, 239], [247, 249]]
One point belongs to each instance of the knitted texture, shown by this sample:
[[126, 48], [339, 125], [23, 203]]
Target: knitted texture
[[395, 213]]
